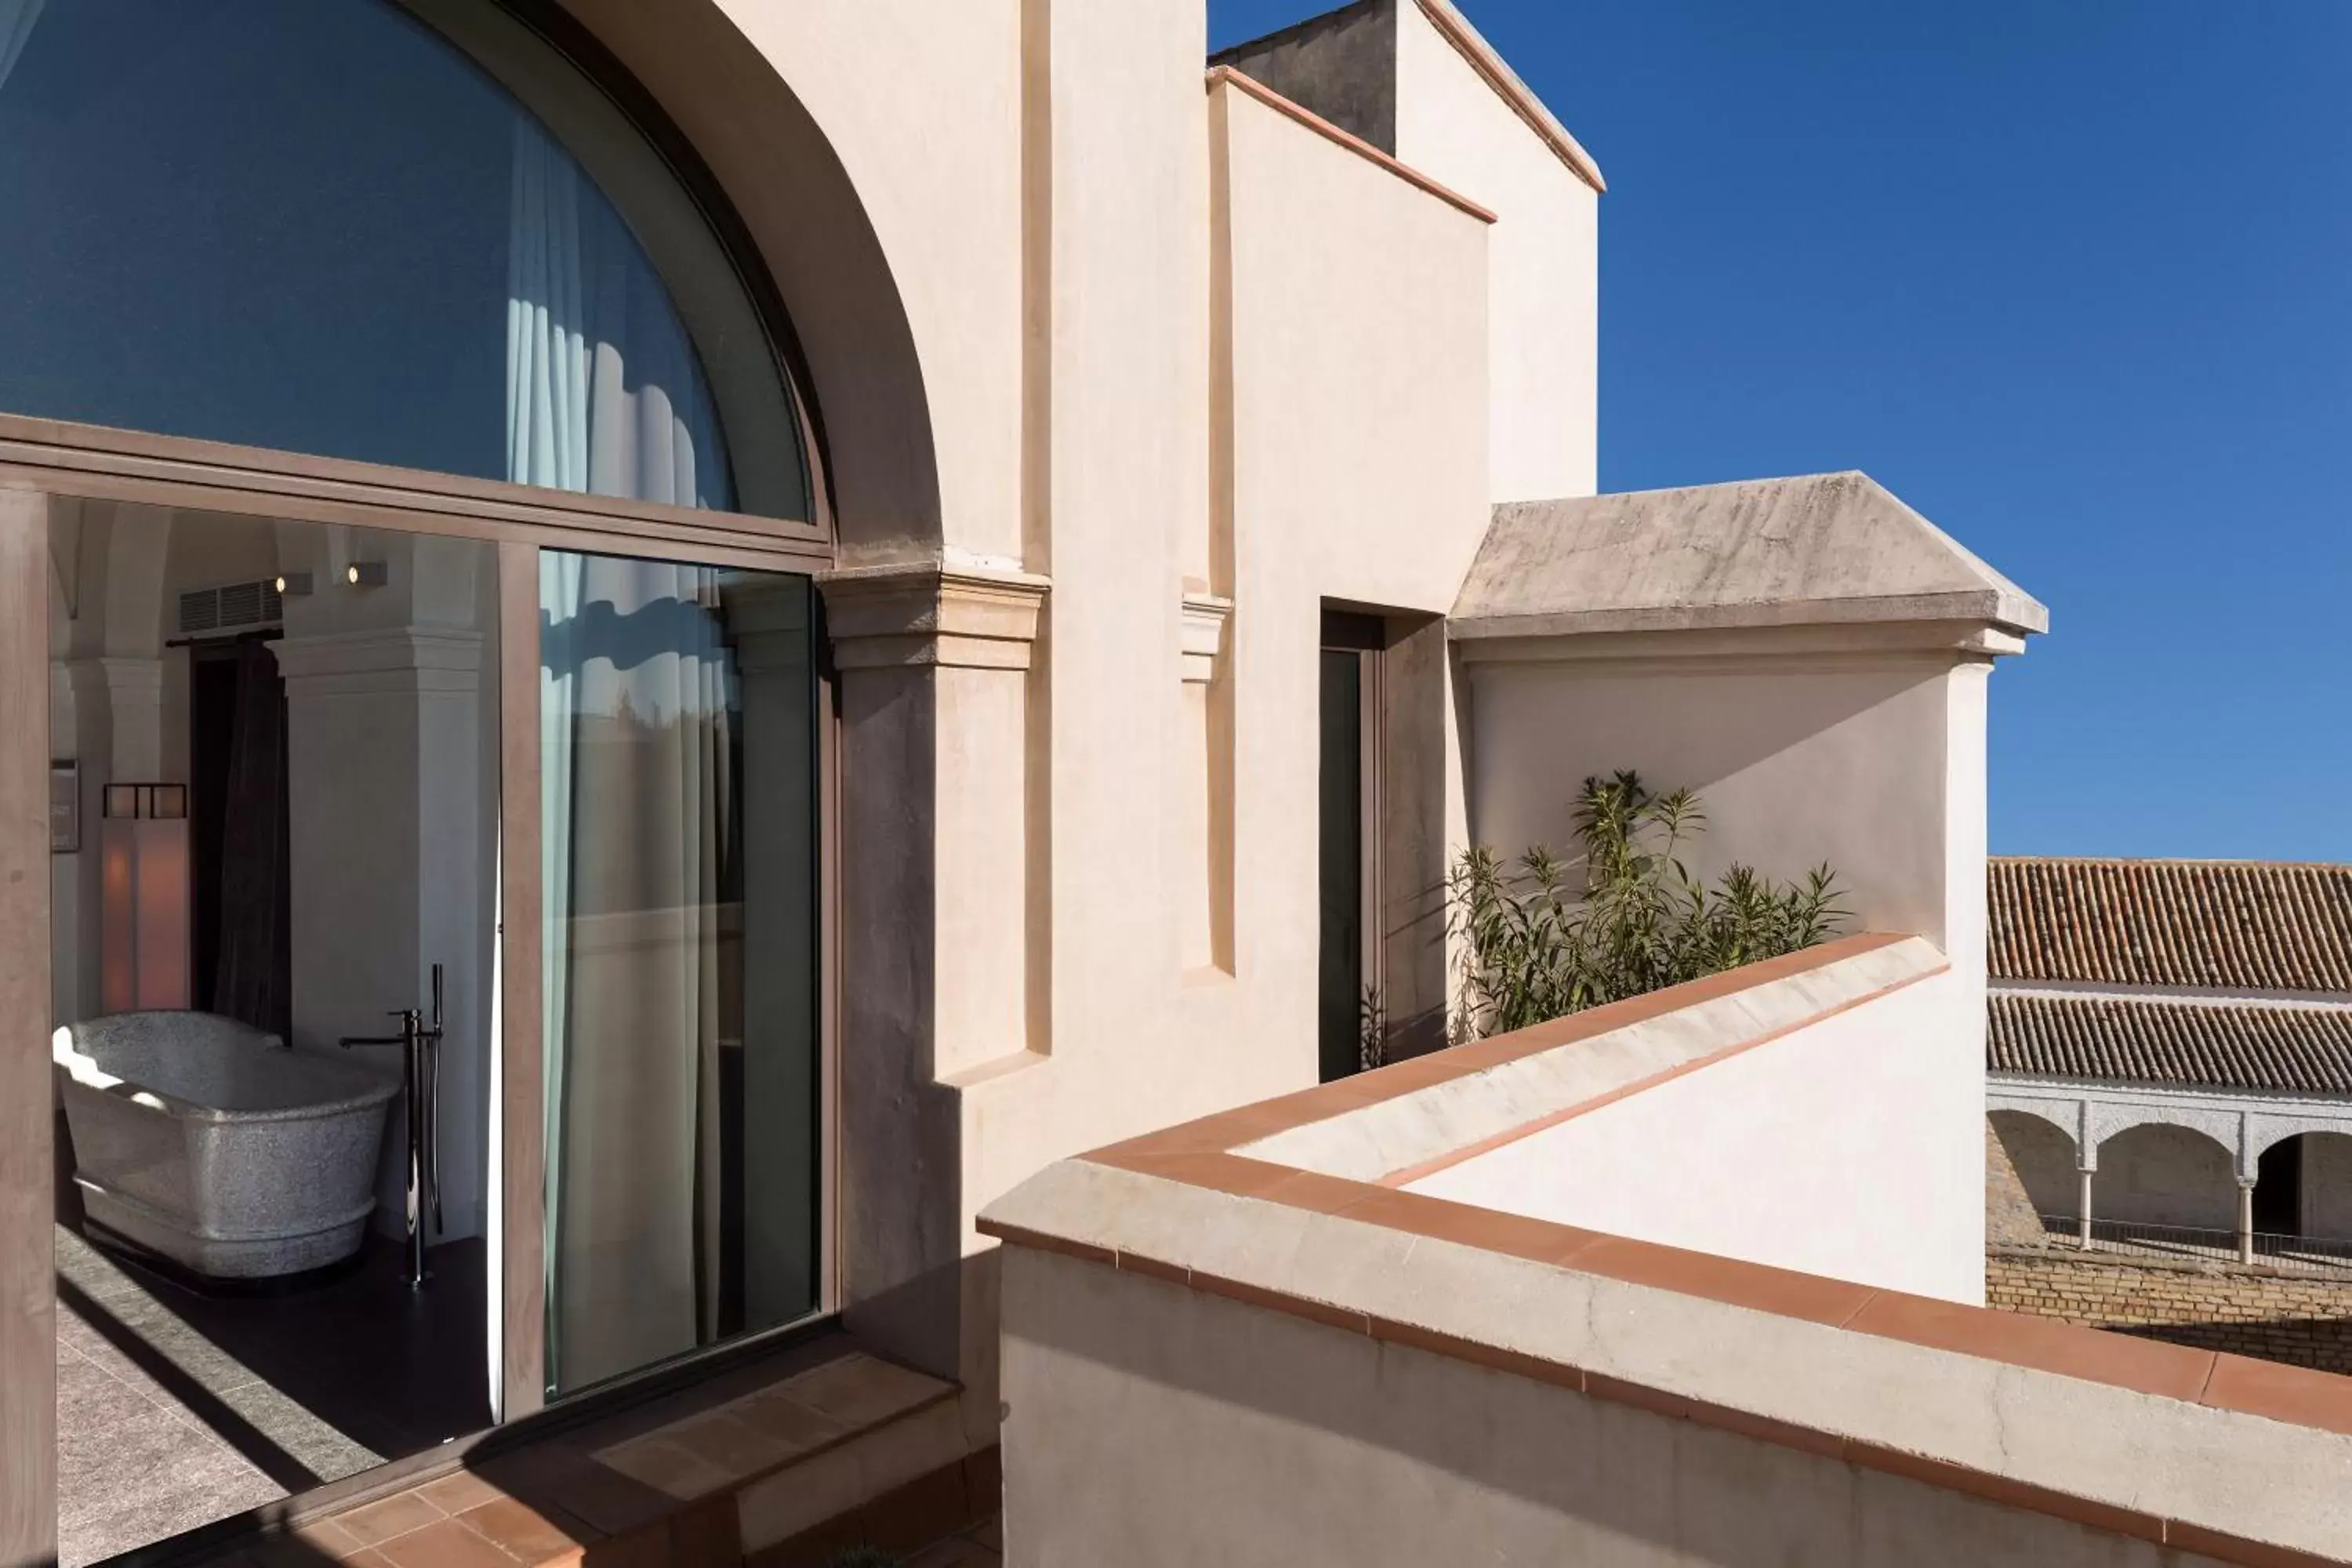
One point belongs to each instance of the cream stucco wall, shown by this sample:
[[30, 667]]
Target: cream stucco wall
[[1543, 292], [1353, 468], [1169, 343], [1850, 1148], [1153, 1425]]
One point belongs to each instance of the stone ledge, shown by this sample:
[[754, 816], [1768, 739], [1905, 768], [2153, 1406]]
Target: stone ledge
[[932, 613]]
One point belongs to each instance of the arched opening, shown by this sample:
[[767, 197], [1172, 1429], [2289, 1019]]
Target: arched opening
[[421, 236], [2158, 1173], [328, 229], [2043, 1157], [2306, 1188]]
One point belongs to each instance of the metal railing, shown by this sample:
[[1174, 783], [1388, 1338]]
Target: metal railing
[[2188, 1244]]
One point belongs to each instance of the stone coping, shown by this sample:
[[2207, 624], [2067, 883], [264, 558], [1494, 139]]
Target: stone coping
[[1506, 1089], [2210, 1452], [1228, 76]]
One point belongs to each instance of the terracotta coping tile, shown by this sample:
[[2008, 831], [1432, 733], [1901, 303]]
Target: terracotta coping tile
[[1218, 1172], [1316, 1192], [1735, 1282], [2121, 1361], [1489, 1230], [2295, 1395], [1768, 1429]]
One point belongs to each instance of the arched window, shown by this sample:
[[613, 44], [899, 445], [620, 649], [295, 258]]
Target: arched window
[[412, 235]]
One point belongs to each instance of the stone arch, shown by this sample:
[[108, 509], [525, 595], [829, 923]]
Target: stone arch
[[2041, 1149], [2159, 1169], [719, 103]]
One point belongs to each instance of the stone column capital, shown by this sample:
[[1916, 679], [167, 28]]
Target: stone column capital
[[1205, 616], [423, 659], [932, 613]]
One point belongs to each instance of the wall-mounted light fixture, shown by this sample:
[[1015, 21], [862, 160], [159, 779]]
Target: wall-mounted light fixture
[[293, 584], [367, 575], [143, 881]]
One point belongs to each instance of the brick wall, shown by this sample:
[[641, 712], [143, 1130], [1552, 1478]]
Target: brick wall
[[2305, 1323]]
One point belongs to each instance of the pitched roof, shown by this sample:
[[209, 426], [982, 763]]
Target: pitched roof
[[2293, 1049], [2245, 925], [1819, 549]]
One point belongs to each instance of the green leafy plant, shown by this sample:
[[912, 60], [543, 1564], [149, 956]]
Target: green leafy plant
[[1534, 948], [1371, 1030]]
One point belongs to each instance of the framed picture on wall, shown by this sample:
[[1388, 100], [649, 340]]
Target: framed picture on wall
[[65, 807]]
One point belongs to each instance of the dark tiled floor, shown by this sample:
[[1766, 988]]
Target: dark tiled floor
[[176, 1407]]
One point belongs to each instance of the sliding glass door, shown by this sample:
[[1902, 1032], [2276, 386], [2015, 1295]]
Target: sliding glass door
[[677, 732]]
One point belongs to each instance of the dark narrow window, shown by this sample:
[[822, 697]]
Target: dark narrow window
[[1350, 675]]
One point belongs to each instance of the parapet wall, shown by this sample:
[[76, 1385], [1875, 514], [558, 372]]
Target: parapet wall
[[1251, 1340]]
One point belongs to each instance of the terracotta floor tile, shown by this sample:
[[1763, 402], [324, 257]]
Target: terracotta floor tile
[[455, 1493], [527, 1533], [448, 1544], [395, 1515]]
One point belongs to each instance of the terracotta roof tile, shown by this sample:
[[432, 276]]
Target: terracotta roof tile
[[2246, 925], [2290, 1049]]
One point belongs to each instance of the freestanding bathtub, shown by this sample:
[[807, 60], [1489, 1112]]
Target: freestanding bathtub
[[202, 1140]]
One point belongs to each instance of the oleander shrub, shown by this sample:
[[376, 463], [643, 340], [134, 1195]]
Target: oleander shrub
[[1543, 936]]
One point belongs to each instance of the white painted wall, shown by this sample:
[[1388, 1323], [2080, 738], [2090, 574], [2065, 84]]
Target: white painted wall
[[1543, 270], [1873, 764], [1851, 1148], [2157, 1175]]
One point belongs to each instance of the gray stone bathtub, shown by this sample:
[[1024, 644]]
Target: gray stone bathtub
[[200, 1139]]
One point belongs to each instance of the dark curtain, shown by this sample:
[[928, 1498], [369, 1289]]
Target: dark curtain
[[254, 984]]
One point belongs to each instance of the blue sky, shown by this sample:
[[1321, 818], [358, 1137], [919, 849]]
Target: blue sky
[[2074, 278]]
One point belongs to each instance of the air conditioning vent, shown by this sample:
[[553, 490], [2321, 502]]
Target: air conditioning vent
[[234, 607]]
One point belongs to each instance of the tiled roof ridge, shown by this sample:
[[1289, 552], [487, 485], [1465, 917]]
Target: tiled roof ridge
[[2164, 1043], [2261, 925]]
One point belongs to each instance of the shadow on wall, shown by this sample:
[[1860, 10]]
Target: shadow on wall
[[1797, 766], [1323, 1445], [2324, 1345]]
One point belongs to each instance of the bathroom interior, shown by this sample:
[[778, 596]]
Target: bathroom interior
[[273, 904]]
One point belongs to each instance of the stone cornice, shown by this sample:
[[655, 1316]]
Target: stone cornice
[[938, 613]]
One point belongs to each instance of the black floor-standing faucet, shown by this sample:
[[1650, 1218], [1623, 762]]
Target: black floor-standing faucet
[[421, 1083]]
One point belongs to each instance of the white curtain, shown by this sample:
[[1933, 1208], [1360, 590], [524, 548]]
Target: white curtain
[[638, 739], [17, 19], [642, 983], [604, 392]]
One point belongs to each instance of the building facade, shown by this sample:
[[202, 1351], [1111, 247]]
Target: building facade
[[2169, 1043], [651, 651]]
